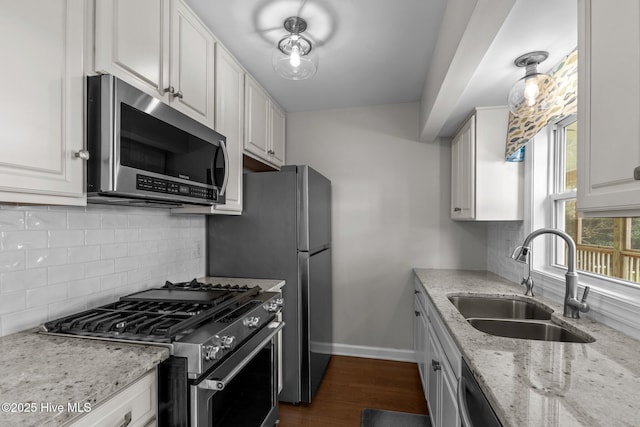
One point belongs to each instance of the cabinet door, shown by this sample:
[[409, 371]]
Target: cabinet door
[[131, 42], [42, 113], [449, 400], [420, 341], [229, 122], [609, 107], [463, 172], [434, 378], [256, 137], [192, 65], [276, 152]]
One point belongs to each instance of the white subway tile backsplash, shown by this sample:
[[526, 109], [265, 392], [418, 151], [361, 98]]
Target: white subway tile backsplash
[[83, 220], [126, 264], [11, 220], [24, 319], [46, 220], [11, 260], [114, 220], [113, 281], [12, 302], [116, 250], [46, 257], [83, 254], [59, 260], [99, 268], [65, 273], [96, 237], [84, 287], [126, 235], [46, 295], [66, 238], [17, 240], [23, 279]]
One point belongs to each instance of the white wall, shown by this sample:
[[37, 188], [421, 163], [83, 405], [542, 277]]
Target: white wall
[[56, 261], [391, 203]]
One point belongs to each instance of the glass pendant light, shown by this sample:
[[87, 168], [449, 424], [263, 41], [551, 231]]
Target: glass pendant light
[[534, 92], [295, 59]]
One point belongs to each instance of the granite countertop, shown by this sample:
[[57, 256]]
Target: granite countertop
[[538, 383], [46, 369]]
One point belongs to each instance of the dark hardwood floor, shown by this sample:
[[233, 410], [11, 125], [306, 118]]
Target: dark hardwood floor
[[352, 384]]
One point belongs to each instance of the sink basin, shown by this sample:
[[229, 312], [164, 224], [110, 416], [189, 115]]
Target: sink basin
[[529, 330], [499, 307]]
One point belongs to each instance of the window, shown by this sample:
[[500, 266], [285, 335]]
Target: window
[[606, 246]]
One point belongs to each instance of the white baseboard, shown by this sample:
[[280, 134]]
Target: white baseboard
[[364, 351]]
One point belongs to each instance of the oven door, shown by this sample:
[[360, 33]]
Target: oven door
[[242, 391]]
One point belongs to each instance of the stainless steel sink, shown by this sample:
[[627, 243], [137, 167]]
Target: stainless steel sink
[[503, 307], [529, 330], [514, 316]]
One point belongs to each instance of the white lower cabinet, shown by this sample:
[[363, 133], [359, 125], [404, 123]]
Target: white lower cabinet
[[439, 361], [42, 115], [135, 406]]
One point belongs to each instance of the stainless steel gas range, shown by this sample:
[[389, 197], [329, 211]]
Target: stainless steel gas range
[[223, 365]]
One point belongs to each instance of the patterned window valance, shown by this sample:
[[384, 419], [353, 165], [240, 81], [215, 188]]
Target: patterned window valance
[[522, 129]]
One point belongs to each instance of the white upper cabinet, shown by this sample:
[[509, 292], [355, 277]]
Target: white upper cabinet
[[230, 122], [132, 42], [42, 116], [192, 65], [609, 108], [264, 136], [161, 47], [485, 187]]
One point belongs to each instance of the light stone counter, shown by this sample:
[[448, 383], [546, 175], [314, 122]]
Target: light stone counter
[[43, 369], [536, 383]]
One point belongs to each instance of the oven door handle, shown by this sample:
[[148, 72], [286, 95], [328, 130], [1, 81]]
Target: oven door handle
[[220, 384]]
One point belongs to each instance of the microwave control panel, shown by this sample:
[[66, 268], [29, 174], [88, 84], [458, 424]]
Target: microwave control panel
[[157, 185]]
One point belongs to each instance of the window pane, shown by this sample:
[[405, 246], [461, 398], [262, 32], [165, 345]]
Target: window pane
[[570, 156], [597, 232], [635, 233]]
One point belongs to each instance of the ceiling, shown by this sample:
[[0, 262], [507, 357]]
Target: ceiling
[[374, 52]]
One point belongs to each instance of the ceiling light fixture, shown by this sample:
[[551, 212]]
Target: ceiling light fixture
[[532, 93], [293, 59]]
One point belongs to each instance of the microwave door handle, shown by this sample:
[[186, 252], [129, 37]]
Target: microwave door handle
[[225, 181]]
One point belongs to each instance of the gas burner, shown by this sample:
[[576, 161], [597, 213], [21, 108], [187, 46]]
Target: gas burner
[[195, 285]]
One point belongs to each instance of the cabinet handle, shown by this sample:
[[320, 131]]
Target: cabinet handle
[[82, 154], [169, 89], [178, 95], [127, 419], [417, 313], [271, 152], [435, 365], [636, 173], [457, 209]]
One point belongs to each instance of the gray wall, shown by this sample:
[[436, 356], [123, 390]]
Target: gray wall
[[391, 203]]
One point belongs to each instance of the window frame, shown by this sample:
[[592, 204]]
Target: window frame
[[613, 298]]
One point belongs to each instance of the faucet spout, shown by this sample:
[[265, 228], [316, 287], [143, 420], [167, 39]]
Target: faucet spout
[[572, 306]]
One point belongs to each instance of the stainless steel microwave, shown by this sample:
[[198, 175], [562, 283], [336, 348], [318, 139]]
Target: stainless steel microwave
[[143, 152]]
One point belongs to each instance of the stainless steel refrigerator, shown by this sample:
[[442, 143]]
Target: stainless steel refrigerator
[[284, 232]]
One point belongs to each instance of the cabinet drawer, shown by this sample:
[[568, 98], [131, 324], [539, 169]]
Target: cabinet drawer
[[449, 347], [136, 402]]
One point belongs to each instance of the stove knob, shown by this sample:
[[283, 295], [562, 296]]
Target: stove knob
[[228, 341], [271, 307], [213, 352], [251, 322]]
